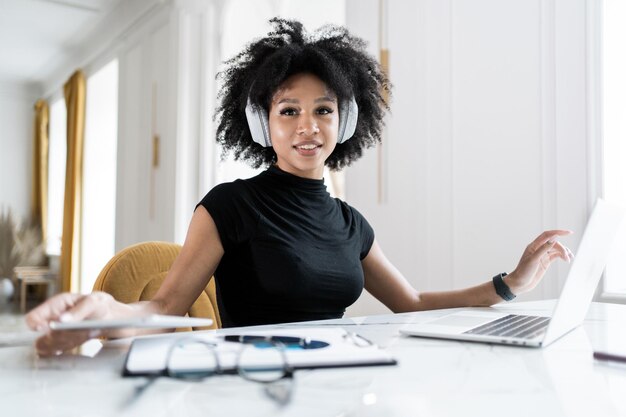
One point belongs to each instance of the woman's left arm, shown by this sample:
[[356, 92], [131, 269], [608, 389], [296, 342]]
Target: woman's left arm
[[390, 287]]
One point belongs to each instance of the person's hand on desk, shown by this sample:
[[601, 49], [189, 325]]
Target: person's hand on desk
[[67, 307], [536, 259]]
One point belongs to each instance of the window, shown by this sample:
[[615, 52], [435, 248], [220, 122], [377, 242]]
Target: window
[[614, 133], [56, 175], [99, 174]]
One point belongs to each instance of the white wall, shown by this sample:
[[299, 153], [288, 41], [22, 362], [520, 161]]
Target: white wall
[[487, 143], [173, 52], [16, 146], [145, 193]]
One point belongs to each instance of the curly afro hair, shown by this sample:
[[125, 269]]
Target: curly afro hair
[[330, 53]]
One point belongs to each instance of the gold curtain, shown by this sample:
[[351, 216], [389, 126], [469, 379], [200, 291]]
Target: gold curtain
[[39, 197], [75, 92]]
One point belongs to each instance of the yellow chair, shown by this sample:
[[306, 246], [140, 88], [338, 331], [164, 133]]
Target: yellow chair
[[137, 272]]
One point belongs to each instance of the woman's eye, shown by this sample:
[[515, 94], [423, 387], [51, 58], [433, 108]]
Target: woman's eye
[[324, 110], [289, 111]]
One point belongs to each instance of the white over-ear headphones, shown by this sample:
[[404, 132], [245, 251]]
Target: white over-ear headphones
[[259, 124]]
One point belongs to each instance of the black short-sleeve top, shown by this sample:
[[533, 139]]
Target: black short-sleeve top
[[291, 251]]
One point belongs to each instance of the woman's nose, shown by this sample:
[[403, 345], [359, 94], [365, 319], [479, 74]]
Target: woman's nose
[[307, 126]]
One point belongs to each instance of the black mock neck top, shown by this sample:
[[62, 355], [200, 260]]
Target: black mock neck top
[[292, 252]]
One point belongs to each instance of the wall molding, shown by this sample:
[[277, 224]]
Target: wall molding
[[196, 46], [547, 71]]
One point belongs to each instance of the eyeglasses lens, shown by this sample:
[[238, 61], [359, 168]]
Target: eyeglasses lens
[[191, 359], [262, 362]]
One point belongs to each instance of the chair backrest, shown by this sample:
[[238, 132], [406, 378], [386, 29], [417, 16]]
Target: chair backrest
[[137, 272]]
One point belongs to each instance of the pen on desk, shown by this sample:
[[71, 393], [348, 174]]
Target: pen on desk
[[603, 356], [273, 339], [290, 342]]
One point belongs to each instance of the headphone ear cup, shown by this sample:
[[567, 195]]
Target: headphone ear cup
[[348, 116], [259, 124]]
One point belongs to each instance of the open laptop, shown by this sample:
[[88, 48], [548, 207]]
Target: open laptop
[[570, 310]]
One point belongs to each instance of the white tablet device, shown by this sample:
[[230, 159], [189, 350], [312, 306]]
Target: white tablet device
[[155, 321]]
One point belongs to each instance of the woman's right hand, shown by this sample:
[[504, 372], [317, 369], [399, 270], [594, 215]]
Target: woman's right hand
[[67, 307]]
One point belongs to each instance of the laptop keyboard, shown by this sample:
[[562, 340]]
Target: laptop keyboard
[[513, 325]]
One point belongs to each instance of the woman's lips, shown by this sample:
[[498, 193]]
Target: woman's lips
[[308, 149]]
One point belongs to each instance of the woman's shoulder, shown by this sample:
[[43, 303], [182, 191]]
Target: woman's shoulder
[[349, 210], [240, 184], [345, 206], [235, 185], [227, 193], [359, 223]]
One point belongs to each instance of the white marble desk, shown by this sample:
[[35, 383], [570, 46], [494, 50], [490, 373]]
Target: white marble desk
[[433, 378]]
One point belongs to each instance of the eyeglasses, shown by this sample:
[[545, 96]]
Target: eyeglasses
[[260, 360]]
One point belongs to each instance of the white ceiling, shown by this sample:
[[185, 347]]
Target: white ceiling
[[35, 35]]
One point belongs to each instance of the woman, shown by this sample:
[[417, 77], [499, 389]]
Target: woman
[[280, 248]]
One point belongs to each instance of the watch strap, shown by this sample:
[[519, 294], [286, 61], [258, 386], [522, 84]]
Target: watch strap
[[502, 289]]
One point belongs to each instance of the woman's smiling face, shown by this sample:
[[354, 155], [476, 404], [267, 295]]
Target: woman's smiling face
[[303, 122]]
